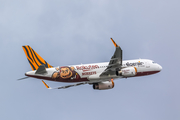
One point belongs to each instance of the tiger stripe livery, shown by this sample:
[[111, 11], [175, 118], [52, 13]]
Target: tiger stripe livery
[[34, 59]]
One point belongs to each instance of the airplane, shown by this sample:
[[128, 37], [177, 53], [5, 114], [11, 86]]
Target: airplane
[[100, 75]]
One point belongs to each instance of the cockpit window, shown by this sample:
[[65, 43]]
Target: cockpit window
[[153, 62]]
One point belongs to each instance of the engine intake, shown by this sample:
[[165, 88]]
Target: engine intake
[[103, 85]]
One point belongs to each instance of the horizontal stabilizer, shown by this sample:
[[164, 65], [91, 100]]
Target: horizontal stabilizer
[[46, 85], [23, 78]]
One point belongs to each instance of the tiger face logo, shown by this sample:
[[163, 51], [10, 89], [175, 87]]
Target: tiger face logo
[[63, 72], [66, 72]]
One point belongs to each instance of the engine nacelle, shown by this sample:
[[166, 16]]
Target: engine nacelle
[[103, 85], [127, 72]]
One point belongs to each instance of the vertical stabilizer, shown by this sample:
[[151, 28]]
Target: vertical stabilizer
[[34, 59]]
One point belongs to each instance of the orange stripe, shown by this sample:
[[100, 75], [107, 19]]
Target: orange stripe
[[112, 83], [27, 56], [39, 64], [135, 69], [35, 65], [45, 84], [34, 59], [41, 59]]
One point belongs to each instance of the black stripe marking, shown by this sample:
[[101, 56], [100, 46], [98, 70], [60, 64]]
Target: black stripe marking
[[27, 53], [46, 65], [32, 65], [38, 58], [33, 55]]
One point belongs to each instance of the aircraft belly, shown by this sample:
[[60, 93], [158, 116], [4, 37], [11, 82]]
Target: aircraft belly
[[146, 70], [146, 73]]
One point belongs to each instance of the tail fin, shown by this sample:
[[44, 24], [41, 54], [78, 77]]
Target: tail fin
[[34, 59]]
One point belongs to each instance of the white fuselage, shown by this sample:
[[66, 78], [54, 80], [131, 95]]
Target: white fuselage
[[92, 72]]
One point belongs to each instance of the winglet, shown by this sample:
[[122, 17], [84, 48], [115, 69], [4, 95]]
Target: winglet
[[46, 85], [114, 43]]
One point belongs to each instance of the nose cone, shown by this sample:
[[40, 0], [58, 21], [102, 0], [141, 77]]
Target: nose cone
[[159, 68]]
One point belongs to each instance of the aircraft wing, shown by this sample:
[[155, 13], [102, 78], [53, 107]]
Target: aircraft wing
[[115, 62], [72, 85], [64, 87]]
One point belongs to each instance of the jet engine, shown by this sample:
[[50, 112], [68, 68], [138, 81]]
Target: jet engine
[[103, 85], [127, 72]]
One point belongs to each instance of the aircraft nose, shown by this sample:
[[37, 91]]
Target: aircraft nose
[[159, 67]]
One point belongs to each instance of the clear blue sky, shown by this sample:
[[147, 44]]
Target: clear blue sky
[[69, 32]]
